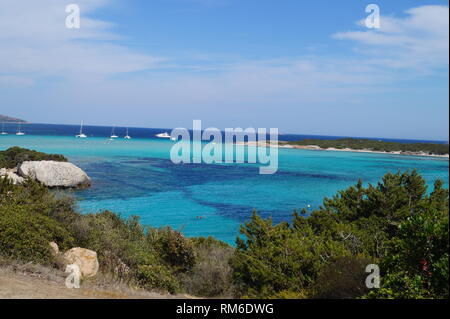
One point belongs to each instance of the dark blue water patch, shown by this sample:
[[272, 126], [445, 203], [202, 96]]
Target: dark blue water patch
[[243, 213], [194, 174], [145, 176], [232, 171], [302, 175]]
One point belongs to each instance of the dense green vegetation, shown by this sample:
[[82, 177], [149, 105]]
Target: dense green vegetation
[[395, 224], [15, 155], [374, 145]]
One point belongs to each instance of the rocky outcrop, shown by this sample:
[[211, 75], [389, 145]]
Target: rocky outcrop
[[9, 119], [55, 174], [84, 258], [11, 174]]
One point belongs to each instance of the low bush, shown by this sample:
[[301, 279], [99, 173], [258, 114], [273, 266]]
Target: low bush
[[211, 274], [157, 278], [343, 278], [174, 248], [26, 236], [15, 155], [25, 227], [117, 241]]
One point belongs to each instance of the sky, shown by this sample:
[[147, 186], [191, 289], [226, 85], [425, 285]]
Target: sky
[[306, 67]]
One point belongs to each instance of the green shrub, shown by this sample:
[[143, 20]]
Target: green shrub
[[174, 248], [157, 278], [276, 258], [343, 278], [211, 274], [416, 265], [25, 235], [117, 241], [16, 155], [25, 226]]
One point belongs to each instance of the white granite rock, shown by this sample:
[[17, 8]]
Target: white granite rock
[[55, 174]]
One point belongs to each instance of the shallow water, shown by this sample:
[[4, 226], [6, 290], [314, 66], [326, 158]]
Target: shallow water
[[138, 178]]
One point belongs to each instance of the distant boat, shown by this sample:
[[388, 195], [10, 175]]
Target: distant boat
[[81, 135], [163, 135], [19, 132], [127, 137], [3, 130], [113, 135]]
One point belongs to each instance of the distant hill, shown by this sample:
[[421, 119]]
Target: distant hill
[[8, 119]]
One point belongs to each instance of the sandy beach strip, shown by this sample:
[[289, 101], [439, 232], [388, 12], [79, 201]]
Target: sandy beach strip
[[283, 144]]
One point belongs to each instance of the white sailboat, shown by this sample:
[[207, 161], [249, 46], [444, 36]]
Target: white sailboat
[[3, 130], [19, 132], [81, 135], [127, 137], [163, 135], [113, 135]]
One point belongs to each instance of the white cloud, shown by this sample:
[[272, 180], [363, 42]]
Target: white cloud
[[418, 41], [34, 42]]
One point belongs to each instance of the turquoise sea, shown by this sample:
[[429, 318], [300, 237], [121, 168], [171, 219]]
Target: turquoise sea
[[136, 177]]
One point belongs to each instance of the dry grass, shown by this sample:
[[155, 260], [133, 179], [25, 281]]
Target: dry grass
[[31, 281]]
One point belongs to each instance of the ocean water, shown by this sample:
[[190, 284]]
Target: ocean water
[[136, 177]]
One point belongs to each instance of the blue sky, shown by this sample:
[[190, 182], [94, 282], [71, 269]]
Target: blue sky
[[303, 67]]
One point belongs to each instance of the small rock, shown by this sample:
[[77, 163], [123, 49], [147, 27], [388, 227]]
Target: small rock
[[54, 248], [85, 259]]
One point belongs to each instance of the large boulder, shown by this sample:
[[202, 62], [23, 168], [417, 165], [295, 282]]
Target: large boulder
[[84, 258], [55, 174]]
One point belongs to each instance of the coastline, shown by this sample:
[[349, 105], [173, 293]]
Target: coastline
[[284, 144]]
